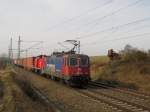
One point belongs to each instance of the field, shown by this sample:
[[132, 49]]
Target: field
[[132, 71], [19, 95], [97, 64], [14, 99]]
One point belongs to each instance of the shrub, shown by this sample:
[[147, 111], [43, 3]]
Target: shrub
[[3, 62], [135, 55]]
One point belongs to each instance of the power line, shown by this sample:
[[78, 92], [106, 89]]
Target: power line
[[120, 38], [80, 15], [31, 41], [25, 50], [101, 18], [129, 37], [115, 27], [129, 31], [112, 13], [96, 21], [32, 47]]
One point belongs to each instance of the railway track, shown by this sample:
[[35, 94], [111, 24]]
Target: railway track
[[121, 100], [135, 101], [125, 91], [115, 103], [41, 96], [119, 104], [46, 100]]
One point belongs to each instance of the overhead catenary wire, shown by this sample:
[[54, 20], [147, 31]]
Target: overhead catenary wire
[[101, 18], [112, 28], [31, 41], [80, 15], [96, 21], [126, 32], [29, 48], [116, 39], [113, 13], [115, 27]]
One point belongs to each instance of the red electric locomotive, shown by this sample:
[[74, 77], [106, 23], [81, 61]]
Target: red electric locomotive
[[72, 67], [76, 68]]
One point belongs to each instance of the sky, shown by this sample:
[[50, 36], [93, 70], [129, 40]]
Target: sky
[[98, 24]]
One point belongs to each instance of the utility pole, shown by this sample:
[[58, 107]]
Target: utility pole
[[79, 47], [11, 50], [19, 45], [10, 53]]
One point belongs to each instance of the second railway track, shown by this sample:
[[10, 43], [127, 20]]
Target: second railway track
[[113, 98], [131, 92], [125, 95], [120, 104]]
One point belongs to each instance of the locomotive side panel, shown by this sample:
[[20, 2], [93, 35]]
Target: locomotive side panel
[[53, 66], [39, 64]]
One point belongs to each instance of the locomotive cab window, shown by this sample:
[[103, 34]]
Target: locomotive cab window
[[73, 61], [84, 61]]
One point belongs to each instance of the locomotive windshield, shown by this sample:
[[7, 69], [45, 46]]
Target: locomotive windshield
[[84, 61], [79, 61], [73, 62]]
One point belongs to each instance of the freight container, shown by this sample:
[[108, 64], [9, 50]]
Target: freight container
[[28, 63]]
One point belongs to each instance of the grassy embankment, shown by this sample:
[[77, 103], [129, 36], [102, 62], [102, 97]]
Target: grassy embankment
[[132, 71], [16, 94]]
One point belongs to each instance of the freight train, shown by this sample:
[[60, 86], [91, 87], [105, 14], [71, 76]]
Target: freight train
[[69, 67]]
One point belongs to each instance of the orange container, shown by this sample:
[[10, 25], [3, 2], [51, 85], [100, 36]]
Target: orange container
[[28, 63]]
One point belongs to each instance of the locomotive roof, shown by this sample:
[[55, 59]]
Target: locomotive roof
[[75, 55], [68, 55]]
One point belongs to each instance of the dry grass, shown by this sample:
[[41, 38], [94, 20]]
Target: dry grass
[[97, 64], [1, 88], [100, 59], [131, 75], [132, 71], [7, 100], [3, 62], [14, 99], [66, 98]]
